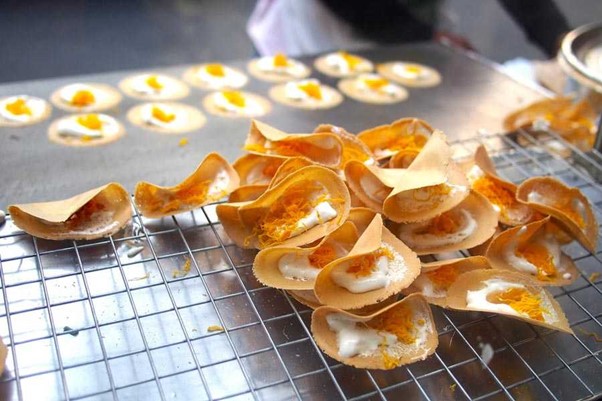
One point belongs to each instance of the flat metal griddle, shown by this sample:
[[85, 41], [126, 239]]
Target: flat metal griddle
[[91, 320]]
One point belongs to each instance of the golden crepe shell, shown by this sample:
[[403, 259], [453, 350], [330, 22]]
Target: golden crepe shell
[[321, 148], [97, 213], [436, 277], [308, 298], [371, 184], [407, 135], [353, 148], [550, 196], [361, 217], [266, 264], [288, 167], [406, 350], [420, 237], [501, 193], [243, 221], [213, 179], [407, 268], [527, 238], [432, 184], [256, 169], [247, 193], [477, 280]]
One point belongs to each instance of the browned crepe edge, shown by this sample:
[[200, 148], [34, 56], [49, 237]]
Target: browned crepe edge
[[496, 250], [211, 164], [254, 211], [330, 293], [472, 281], [43, 219], [244, 164], [350, 141], [113, 99], [126, 87], [587, 237], [485, 216], [196, 118], [327, 341]]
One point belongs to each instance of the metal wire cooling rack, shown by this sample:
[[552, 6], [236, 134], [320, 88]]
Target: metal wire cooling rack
[[122, 318]]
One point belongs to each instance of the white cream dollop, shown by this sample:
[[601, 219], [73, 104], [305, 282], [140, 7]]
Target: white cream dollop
[[296, 266], [251, 107], [293, 92], [321, 213], [36, 105], [230, 79], [70, 127], [140, 85], [354, 339], [407, 71]]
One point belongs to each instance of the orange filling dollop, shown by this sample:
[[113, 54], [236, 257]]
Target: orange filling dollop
[[83, 98], [162, 115], [444, 224], [364, 265], [538, 255], [153, 82], [405, 142], [234, 97], [18, 107], [351, 60], [521, 301], [322, 256], [375, 83], [413, 69], [444, 276], [194, 195], [500, 196], [280, 60], [217, 70], [90, 121], [312, 89], [85, 213]]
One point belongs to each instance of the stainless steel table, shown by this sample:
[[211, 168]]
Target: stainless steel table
[[117, 319]]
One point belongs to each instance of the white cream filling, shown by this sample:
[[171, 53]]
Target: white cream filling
[[337, 62], [69, 127], [66, 94], [295, 266], [428, 288], [320, 214], [36, 105], [401, 69], [231, 78], [147, 116], [384, 272], [140, 85], [478, 300], [251, 107], [219, 184], [354, 339], [292, 68], [524, 265], [293, 92], [407, 233]]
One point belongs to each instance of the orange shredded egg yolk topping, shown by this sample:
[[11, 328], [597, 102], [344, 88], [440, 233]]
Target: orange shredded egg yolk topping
[[280, 60], [282, 218], [521, 300], [283, 148], [364, 265], [444, 224], [322, 256], [351, 60], [162, 115], [83, 98], [18, 107], [217, 70], [270, 168], [444, 276], [153, 82], [406, 142], [85, 213], [538, 255], [234, 97], [375, 83], [312, 89], [194, 195], [90, 121], [566, 208], [500, 196]]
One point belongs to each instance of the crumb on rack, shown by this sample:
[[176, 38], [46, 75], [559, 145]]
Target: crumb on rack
[[183, 142], [147, 275], [214, 328], [591, 334], [594, 276], [452, 387], [184, 271]]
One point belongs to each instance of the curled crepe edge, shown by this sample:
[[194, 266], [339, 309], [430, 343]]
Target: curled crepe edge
[[247, 165], [406, 353], [330, 293], [479, 209], [156, 201], [476, 280], [566, 271], [588, 235], [57, 220], [353, 148]]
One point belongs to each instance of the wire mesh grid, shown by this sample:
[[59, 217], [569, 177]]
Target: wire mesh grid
[[124, 318]]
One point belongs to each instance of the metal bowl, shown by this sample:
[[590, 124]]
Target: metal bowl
[[577, 47]]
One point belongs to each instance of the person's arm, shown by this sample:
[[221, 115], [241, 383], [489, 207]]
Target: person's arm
[[541, 20]]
